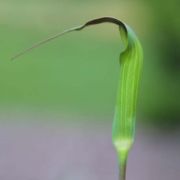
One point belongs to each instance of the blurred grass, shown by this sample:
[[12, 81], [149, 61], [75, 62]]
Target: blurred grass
[[62, 73], [78, 72]]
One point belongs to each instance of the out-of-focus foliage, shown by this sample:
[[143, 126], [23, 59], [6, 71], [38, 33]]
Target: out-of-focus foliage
[[79, 72], [164, 87]]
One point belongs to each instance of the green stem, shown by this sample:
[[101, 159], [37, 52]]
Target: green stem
[[122, 157]]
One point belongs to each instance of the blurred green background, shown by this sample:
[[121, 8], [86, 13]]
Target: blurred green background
[[77, 74]]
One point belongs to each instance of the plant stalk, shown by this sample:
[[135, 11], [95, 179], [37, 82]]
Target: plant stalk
[[122, 158]]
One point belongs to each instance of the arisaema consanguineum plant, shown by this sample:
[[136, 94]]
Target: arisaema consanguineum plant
[[130, 62]]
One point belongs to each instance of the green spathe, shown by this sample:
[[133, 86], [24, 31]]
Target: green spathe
[[131, 61]]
